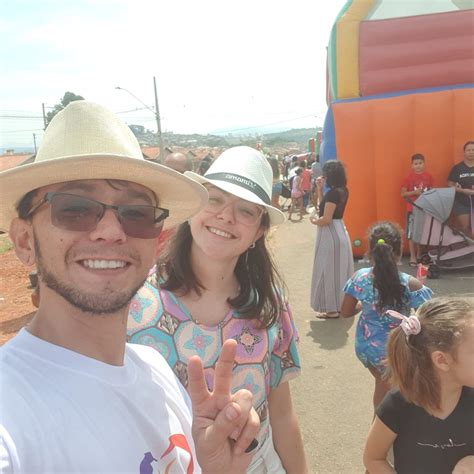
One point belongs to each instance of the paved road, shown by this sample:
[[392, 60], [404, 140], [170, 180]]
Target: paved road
[[333, 397]]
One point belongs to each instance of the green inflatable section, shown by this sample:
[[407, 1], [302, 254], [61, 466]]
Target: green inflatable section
[[332, 65]]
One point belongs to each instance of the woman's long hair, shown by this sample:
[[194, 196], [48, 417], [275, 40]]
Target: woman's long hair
[[261, 294], [385, 243]]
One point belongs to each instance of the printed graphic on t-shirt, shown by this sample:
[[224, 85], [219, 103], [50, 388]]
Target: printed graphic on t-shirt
[[164, 464], [449, 444]]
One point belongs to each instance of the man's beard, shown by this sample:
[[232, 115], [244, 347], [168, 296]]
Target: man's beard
[[109, 301]]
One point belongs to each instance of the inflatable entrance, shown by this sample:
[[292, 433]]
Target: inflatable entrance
[[400, 81]]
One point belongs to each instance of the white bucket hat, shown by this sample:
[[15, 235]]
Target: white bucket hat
[[87, 141], [245, 173]]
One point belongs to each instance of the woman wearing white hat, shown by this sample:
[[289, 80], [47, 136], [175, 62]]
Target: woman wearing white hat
[[218, 282]]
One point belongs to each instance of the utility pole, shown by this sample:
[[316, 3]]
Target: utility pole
[[156, 112], [44, 117], [34, 140], [158, 123]]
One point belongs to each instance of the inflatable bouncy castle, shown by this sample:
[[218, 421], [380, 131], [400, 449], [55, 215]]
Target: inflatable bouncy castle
[[400, 82]]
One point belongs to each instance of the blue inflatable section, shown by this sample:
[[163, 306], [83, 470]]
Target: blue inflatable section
[[328, 143]]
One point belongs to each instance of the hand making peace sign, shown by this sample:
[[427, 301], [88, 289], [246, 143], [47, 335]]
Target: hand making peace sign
[[219, 417]]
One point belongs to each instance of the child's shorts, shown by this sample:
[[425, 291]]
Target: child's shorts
[[460, 208], [409, 225]]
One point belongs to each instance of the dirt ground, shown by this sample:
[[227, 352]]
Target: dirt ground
[[15, 296], [333, 396]]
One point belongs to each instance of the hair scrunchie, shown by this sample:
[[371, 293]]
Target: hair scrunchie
[[410, 325]]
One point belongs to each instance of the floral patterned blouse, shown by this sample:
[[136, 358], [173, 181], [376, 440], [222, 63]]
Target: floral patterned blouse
[[266, 357], [373, 327]]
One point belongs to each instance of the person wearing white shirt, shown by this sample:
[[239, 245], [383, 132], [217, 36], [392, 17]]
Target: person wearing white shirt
[[75, 396]]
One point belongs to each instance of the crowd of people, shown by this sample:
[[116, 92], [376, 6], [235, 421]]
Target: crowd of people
[[164, 338]]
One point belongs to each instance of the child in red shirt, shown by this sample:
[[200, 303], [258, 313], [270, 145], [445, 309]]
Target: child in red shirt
[[413, 185]]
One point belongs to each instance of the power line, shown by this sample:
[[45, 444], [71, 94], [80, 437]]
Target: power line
[[22, 116], [17, 111], [133, 110], [143, 119], [22, 131]]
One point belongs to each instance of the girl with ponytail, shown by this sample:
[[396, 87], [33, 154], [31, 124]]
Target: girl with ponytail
[[428, 418], [375, 290]]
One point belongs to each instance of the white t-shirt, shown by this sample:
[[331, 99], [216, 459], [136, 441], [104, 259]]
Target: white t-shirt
[[61, 411], [292, 172]]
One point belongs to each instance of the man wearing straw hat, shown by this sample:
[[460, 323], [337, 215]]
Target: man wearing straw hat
[[74, 396]]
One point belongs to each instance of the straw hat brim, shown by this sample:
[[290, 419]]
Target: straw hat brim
[[276, 216], [182, 196]]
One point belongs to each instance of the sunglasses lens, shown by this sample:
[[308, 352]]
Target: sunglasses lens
[[140, 221], [74, 213], [79, 214]]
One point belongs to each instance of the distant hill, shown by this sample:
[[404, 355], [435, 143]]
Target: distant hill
[[17, 150], [290, 139], [296, 135], [299, 136]]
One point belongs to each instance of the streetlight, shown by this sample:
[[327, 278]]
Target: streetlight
[[155, 112]]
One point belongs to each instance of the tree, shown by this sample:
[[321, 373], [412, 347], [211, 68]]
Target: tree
[[68, 98]]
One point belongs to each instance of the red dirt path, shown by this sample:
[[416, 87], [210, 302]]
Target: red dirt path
[[15, 297]]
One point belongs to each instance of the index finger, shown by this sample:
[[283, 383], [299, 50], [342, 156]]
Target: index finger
[[197, 387], [224, 366]]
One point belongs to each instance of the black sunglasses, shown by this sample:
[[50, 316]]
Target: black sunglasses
[[81, 214]]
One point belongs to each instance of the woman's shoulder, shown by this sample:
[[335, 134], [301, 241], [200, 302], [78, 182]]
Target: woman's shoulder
[[285, 314], [333, 195], [340, 193]]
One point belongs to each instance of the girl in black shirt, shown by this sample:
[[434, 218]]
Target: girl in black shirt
[[429, 418]]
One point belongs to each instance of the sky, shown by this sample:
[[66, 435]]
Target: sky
[[222, 66]]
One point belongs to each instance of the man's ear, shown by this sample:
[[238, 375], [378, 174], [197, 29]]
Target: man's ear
[[21, 234], [441, 360]]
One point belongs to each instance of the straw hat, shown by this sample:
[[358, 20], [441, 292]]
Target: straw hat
[[245, 173], [87, 141]]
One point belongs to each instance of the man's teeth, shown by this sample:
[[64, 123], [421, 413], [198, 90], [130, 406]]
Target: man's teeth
[[103, 263], [220, 233]]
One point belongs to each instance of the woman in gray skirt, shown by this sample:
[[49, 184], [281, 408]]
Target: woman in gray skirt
[[333, 263]]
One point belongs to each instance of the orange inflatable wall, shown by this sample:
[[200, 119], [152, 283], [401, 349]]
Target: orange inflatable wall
[[376, 138]]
